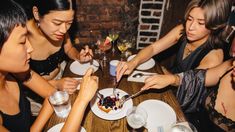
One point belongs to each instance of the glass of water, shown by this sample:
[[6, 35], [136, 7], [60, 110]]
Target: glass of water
[[136, 117], [61, 103]]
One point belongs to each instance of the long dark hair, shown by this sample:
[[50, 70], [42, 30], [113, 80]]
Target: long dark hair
[[45, 6], [216, 13], [11, 15]]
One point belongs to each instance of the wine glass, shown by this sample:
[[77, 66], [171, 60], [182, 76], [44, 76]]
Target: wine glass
[[104, 45], [183, 127], [113, 35], [136, 117], [123, 45]]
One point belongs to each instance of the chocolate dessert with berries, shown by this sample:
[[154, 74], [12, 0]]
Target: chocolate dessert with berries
[[109, 103]]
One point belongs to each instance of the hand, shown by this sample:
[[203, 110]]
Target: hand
[[85, 54], [124, 68], [158, 81], [88, 87], [67, 84]]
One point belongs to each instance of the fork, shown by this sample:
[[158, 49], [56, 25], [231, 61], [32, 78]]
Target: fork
[[115, 87], [127, 97], [100, 96]]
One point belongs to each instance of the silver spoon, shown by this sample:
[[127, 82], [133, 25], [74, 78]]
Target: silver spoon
[[138, 75]]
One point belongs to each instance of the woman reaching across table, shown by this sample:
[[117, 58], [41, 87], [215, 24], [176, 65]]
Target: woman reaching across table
[[14, 56], [216, 104], [199, 38]]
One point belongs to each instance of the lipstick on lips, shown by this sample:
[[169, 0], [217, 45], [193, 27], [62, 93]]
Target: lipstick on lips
[[59, 36]]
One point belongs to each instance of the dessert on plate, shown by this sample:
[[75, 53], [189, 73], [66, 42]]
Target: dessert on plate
[[109, 103]]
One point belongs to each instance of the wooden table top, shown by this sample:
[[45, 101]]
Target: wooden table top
[[93, 123]]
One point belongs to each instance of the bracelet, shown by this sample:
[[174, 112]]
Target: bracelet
[[176, 79]]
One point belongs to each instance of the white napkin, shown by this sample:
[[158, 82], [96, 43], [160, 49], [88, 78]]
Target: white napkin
[[78, 78], [140, 79]]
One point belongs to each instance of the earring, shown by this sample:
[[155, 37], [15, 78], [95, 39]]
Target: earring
[[38, 24]]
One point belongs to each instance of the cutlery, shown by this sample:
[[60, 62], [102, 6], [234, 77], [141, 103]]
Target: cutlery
[[115, 86], [100, 96], [127, 97], [138, 75]]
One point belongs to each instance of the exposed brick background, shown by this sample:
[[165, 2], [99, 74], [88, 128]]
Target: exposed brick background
[[97, 17]]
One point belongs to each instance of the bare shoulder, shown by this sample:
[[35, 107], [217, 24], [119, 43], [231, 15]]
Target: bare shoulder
[[212, 59], [172, 36], [177, 30]]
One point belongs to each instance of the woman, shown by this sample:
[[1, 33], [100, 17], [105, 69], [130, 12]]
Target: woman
[[47, 33], [14, 57], [198, 38], [218, 107]]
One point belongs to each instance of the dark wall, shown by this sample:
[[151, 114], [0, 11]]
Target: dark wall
[[173, 15]]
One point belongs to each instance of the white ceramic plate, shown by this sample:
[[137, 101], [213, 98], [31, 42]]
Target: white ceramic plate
[[113, 114], [146, 65], [81, 68], [58, 127], [160, 114]]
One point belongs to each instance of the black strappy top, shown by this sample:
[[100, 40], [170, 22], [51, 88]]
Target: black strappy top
[[45, 67], [21, 121], [222, 122], [191, 61]]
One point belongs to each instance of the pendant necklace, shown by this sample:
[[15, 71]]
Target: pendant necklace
[[188, 50]]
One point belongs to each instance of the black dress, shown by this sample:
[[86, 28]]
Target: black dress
[[45, 67], [191, 61], [20, 122]]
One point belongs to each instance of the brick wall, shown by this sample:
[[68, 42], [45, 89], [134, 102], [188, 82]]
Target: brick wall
[[97, 17], [150, 21]]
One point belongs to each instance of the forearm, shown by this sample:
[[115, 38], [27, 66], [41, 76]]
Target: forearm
[[143, 55], [214, 74], [73, 53], [73, 122], [54, 83], [44, 115], [39, 85]]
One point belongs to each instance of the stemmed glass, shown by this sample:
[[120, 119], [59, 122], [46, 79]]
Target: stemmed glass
[[113, 35], [136, 117], [123, 45], [104, 45]]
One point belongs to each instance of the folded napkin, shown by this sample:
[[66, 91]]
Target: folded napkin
[[140, 79]]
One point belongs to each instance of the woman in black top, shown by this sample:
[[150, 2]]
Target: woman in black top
[[15, 52], [214, 107], [199, 38], [48, 25]]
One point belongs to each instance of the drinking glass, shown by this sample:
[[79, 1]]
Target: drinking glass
[[61, 103], [103, 46], [123, 45], [136, 117], [113, 35], [183, 127]]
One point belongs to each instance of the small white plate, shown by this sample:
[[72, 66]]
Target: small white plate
[[58, 127], [113, 114], [160, 114], [144, 66], [81, 68]]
